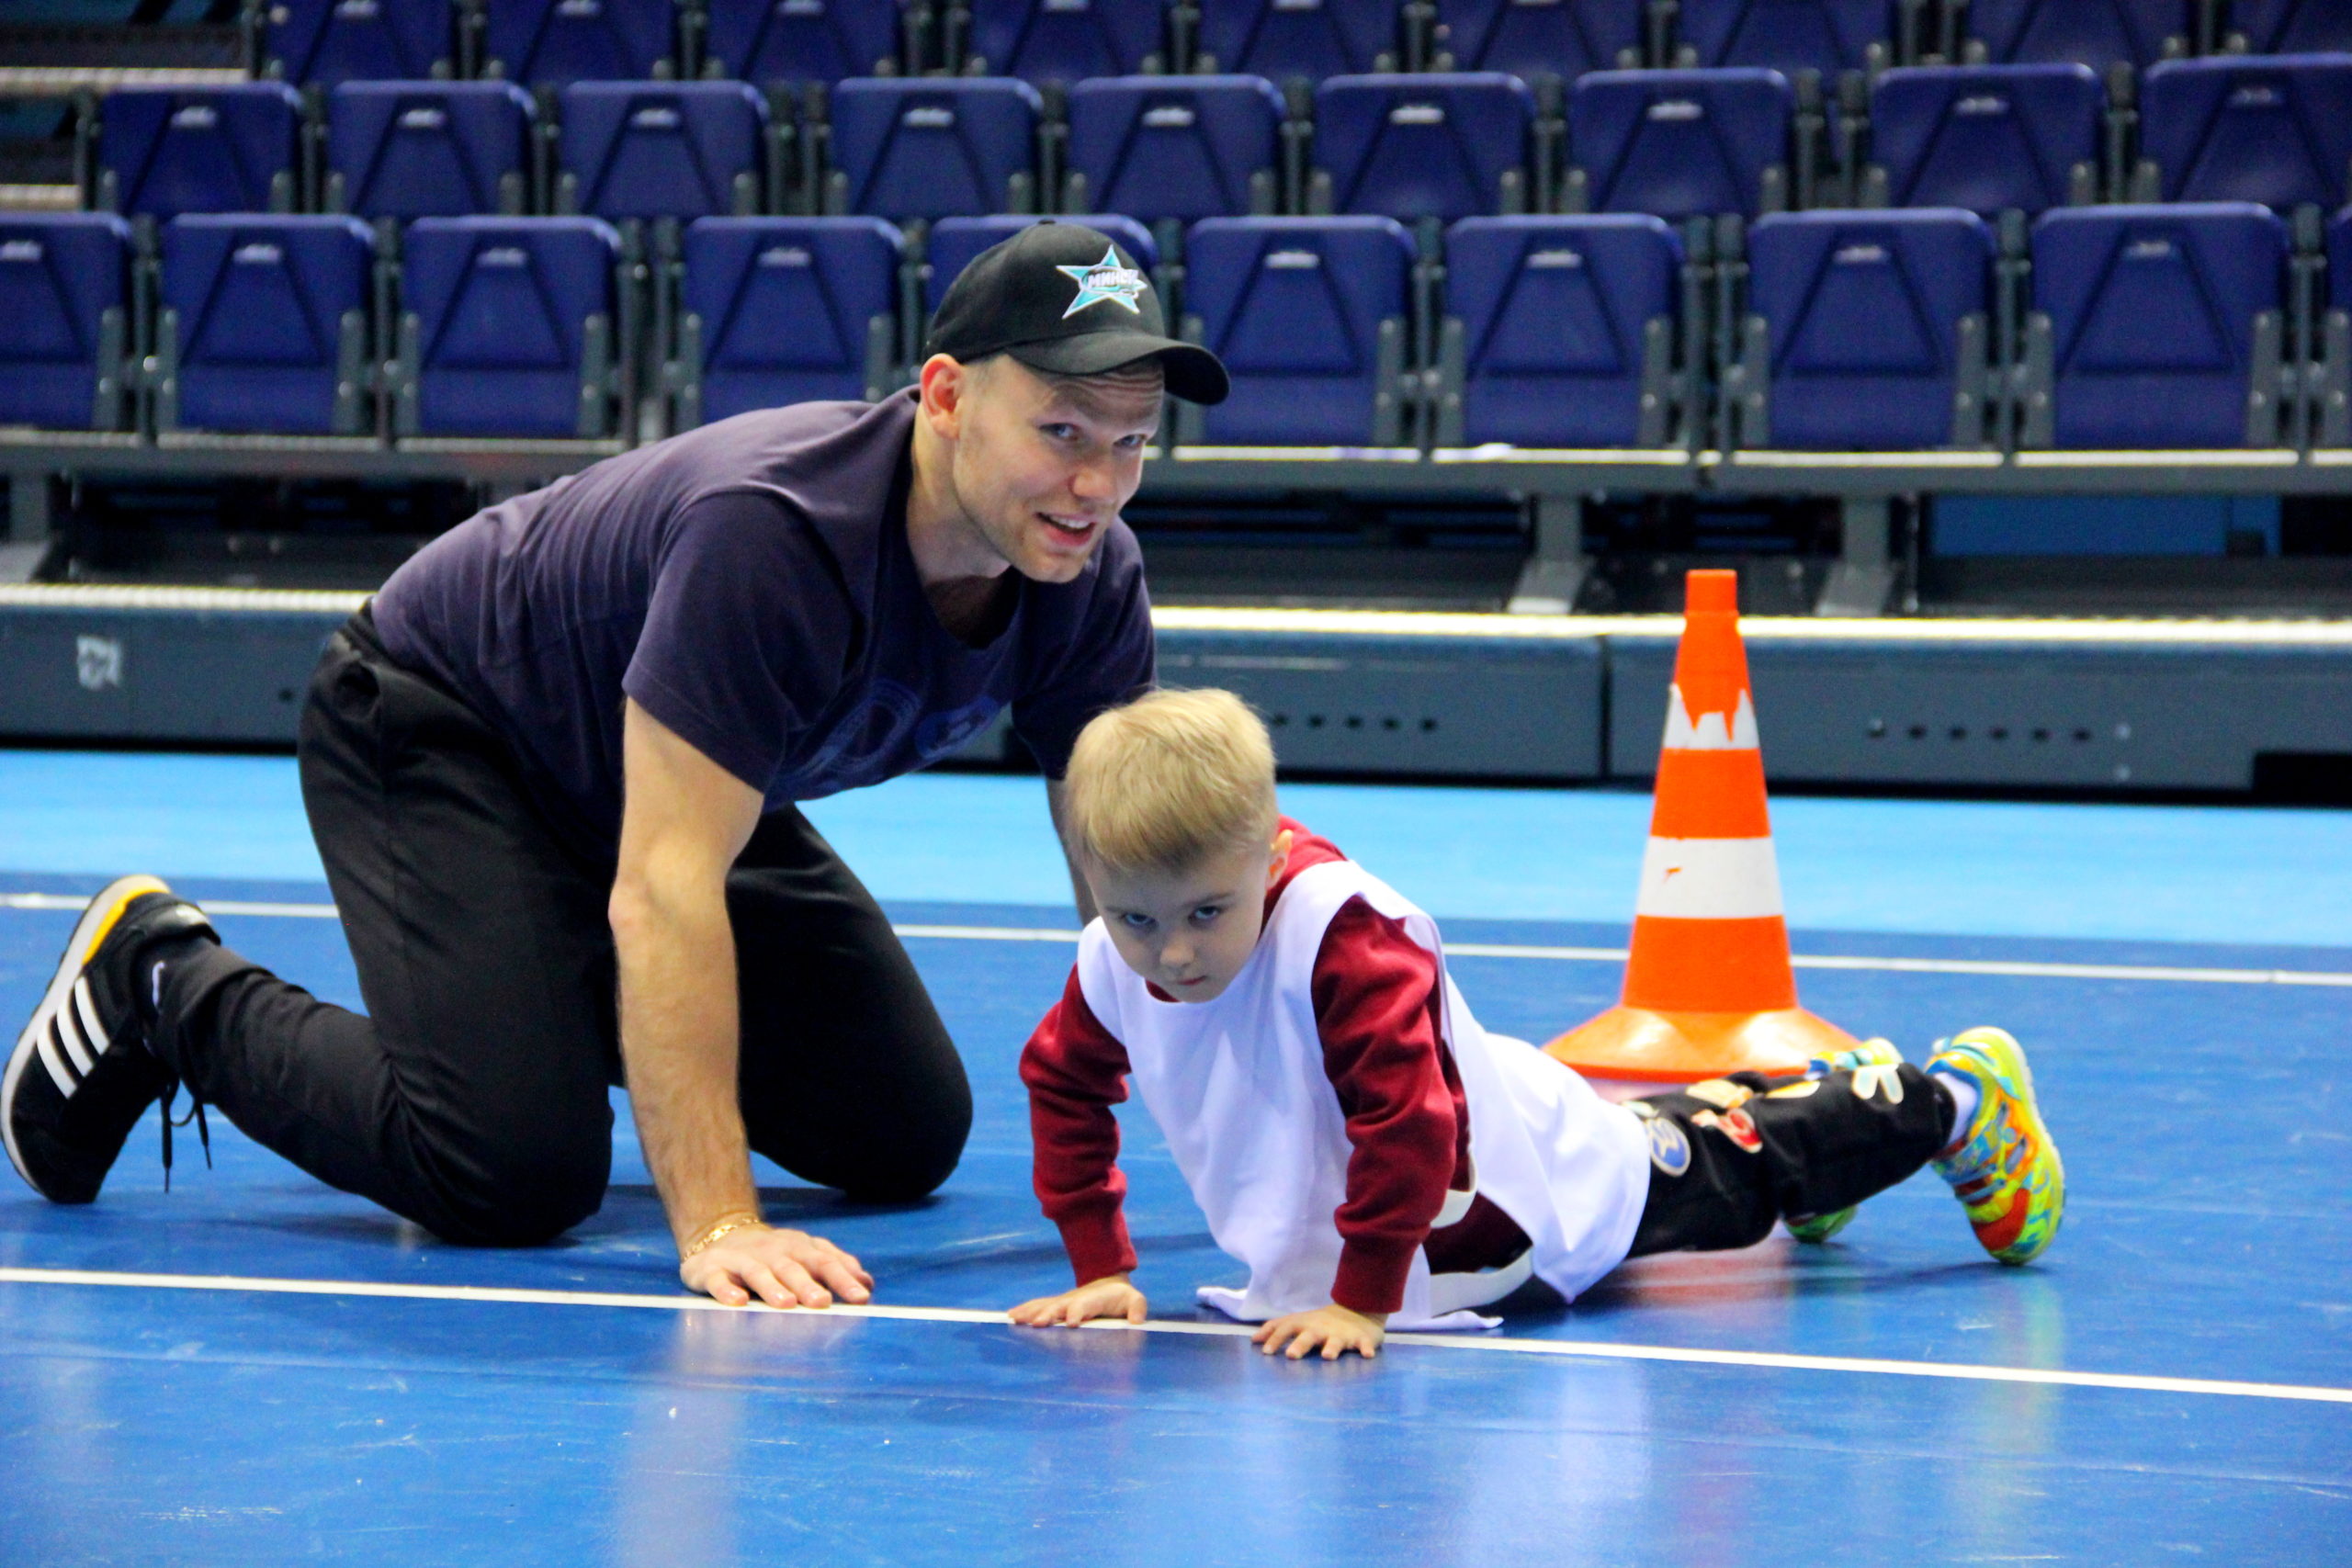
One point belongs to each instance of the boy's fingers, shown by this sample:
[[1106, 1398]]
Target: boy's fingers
[[1136, 1309]]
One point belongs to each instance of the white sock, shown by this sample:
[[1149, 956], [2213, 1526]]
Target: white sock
[[1964, 1096]]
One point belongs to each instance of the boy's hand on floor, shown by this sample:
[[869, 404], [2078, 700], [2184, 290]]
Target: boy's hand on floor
[[1110, 1296], [1334, 1328]]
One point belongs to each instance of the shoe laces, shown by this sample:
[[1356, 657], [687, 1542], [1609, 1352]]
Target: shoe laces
[[195, 1114]]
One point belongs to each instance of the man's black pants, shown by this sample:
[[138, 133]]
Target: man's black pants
[[1730, 1156], [471, 1098]]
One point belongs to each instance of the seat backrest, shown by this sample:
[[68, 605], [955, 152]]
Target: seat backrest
[[1828, 36], [1863, 313], [163, 151], [1553, 312], [1988, 138], [260, 305], [2292, 27], [426, 149], [2275, 130], [2339, 261], [931, 148], [501, 305], [954, 243], [60, 273], [1065, 40], [1312, 39], [784, 307], [660, 149], [1429, 146], [1184, 147], [1677, 143], [2151, 312], [551, 42], [322, 43], [801, 41], [2097, 33], [1293, 306], [1531, 38]]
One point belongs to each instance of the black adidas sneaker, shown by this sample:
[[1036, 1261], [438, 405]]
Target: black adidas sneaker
[[82, 1074]]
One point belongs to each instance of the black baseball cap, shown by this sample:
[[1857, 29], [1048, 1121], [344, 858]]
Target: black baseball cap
[[1065, 299]]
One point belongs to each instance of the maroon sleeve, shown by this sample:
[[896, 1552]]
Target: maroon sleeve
[[1377, 1007], [1076, 1072]]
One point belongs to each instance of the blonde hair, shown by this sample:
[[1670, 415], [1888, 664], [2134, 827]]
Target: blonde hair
[[1169, 780]]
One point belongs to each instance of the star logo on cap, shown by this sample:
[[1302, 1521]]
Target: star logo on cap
[[1105, 279]]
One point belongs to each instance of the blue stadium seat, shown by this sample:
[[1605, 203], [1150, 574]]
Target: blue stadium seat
[[265, 324], [1828, 36], [322, 43], [954, 243], [933, 148], [2146, 324], [660, 149], [778, 310], [508, 326], [1182, 147], [2333, 391], [1867, 331], [2098, 33], [64, 333], [1677, 143], [1309, 316], [1065, 40], [2275, 130], [801, 41], [1285, 38], [1436, 146], [427, 149], [163, 151], [553, 42], [2291, 27], [1988, 138], [1558, 331], [1533, 37]]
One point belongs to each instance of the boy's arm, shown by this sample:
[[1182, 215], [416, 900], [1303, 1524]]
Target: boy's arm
[[1075, 1072], [1376, 1008]]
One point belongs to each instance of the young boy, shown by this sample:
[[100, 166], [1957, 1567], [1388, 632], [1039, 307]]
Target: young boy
[[1377, 1159]]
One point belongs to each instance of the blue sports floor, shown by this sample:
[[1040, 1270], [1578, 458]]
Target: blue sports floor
[[255, 1368]]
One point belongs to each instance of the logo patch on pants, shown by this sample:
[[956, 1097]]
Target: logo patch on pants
[[1670, 1149], [1736, 1125]]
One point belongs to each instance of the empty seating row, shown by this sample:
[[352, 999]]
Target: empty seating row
[[559, 41], [2144, 327], [506, 327], [1672, 143]]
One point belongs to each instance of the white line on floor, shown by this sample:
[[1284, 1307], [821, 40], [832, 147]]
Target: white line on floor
[[1995, 966], [1583, 1348]]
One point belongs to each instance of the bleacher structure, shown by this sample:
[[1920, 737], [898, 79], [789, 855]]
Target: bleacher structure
[[1520, 251]]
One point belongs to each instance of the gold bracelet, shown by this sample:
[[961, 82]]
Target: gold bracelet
[[725, 1224]]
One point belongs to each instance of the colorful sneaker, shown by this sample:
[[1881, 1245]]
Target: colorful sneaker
[[1815, 1229], [82, 1073], [2006, 1170]]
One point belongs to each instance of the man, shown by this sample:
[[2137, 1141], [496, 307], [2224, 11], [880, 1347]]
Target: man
[[559, 755]]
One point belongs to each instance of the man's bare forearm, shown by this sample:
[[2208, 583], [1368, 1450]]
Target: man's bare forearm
[[679, 1045], [1081, 894]]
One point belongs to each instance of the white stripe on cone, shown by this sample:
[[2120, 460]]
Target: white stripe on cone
[[1710, 731], [1710, 879]]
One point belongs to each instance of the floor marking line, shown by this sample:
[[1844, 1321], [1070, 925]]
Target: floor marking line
[[1501, 1343], [2011, 968]]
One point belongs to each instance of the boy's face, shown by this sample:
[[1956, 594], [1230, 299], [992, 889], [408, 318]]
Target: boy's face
[[1190, 931]]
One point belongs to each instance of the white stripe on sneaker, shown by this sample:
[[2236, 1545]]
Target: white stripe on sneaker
[[92, 1030], [69, 1034], [53, 1056]]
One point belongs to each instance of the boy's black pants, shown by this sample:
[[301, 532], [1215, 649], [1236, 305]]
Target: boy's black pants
[[472, 1097], [1733, 1155]]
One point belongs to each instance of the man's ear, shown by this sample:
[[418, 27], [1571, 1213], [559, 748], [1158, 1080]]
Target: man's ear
[[945, 384], [1281, 861]]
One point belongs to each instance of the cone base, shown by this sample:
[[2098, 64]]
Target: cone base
[[1636, 1044]]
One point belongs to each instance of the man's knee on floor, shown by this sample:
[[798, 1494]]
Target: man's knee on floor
[[511, 1200]]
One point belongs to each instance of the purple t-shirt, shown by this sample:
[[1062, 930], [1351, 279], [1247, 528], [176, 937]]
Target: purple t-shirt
[[750, 584]]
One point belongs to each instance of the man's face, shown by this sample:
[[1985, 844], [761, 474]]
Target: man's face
[[1042, 466], [1190, 931]]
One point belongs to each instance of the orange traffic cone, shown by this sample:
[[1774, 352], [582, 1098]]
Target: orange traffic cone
[[1708, 989]]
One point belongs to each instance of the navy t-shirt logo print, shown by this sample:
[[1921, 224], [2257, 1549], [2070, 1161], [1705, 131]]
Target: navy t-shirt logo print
[[1105, 280]]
